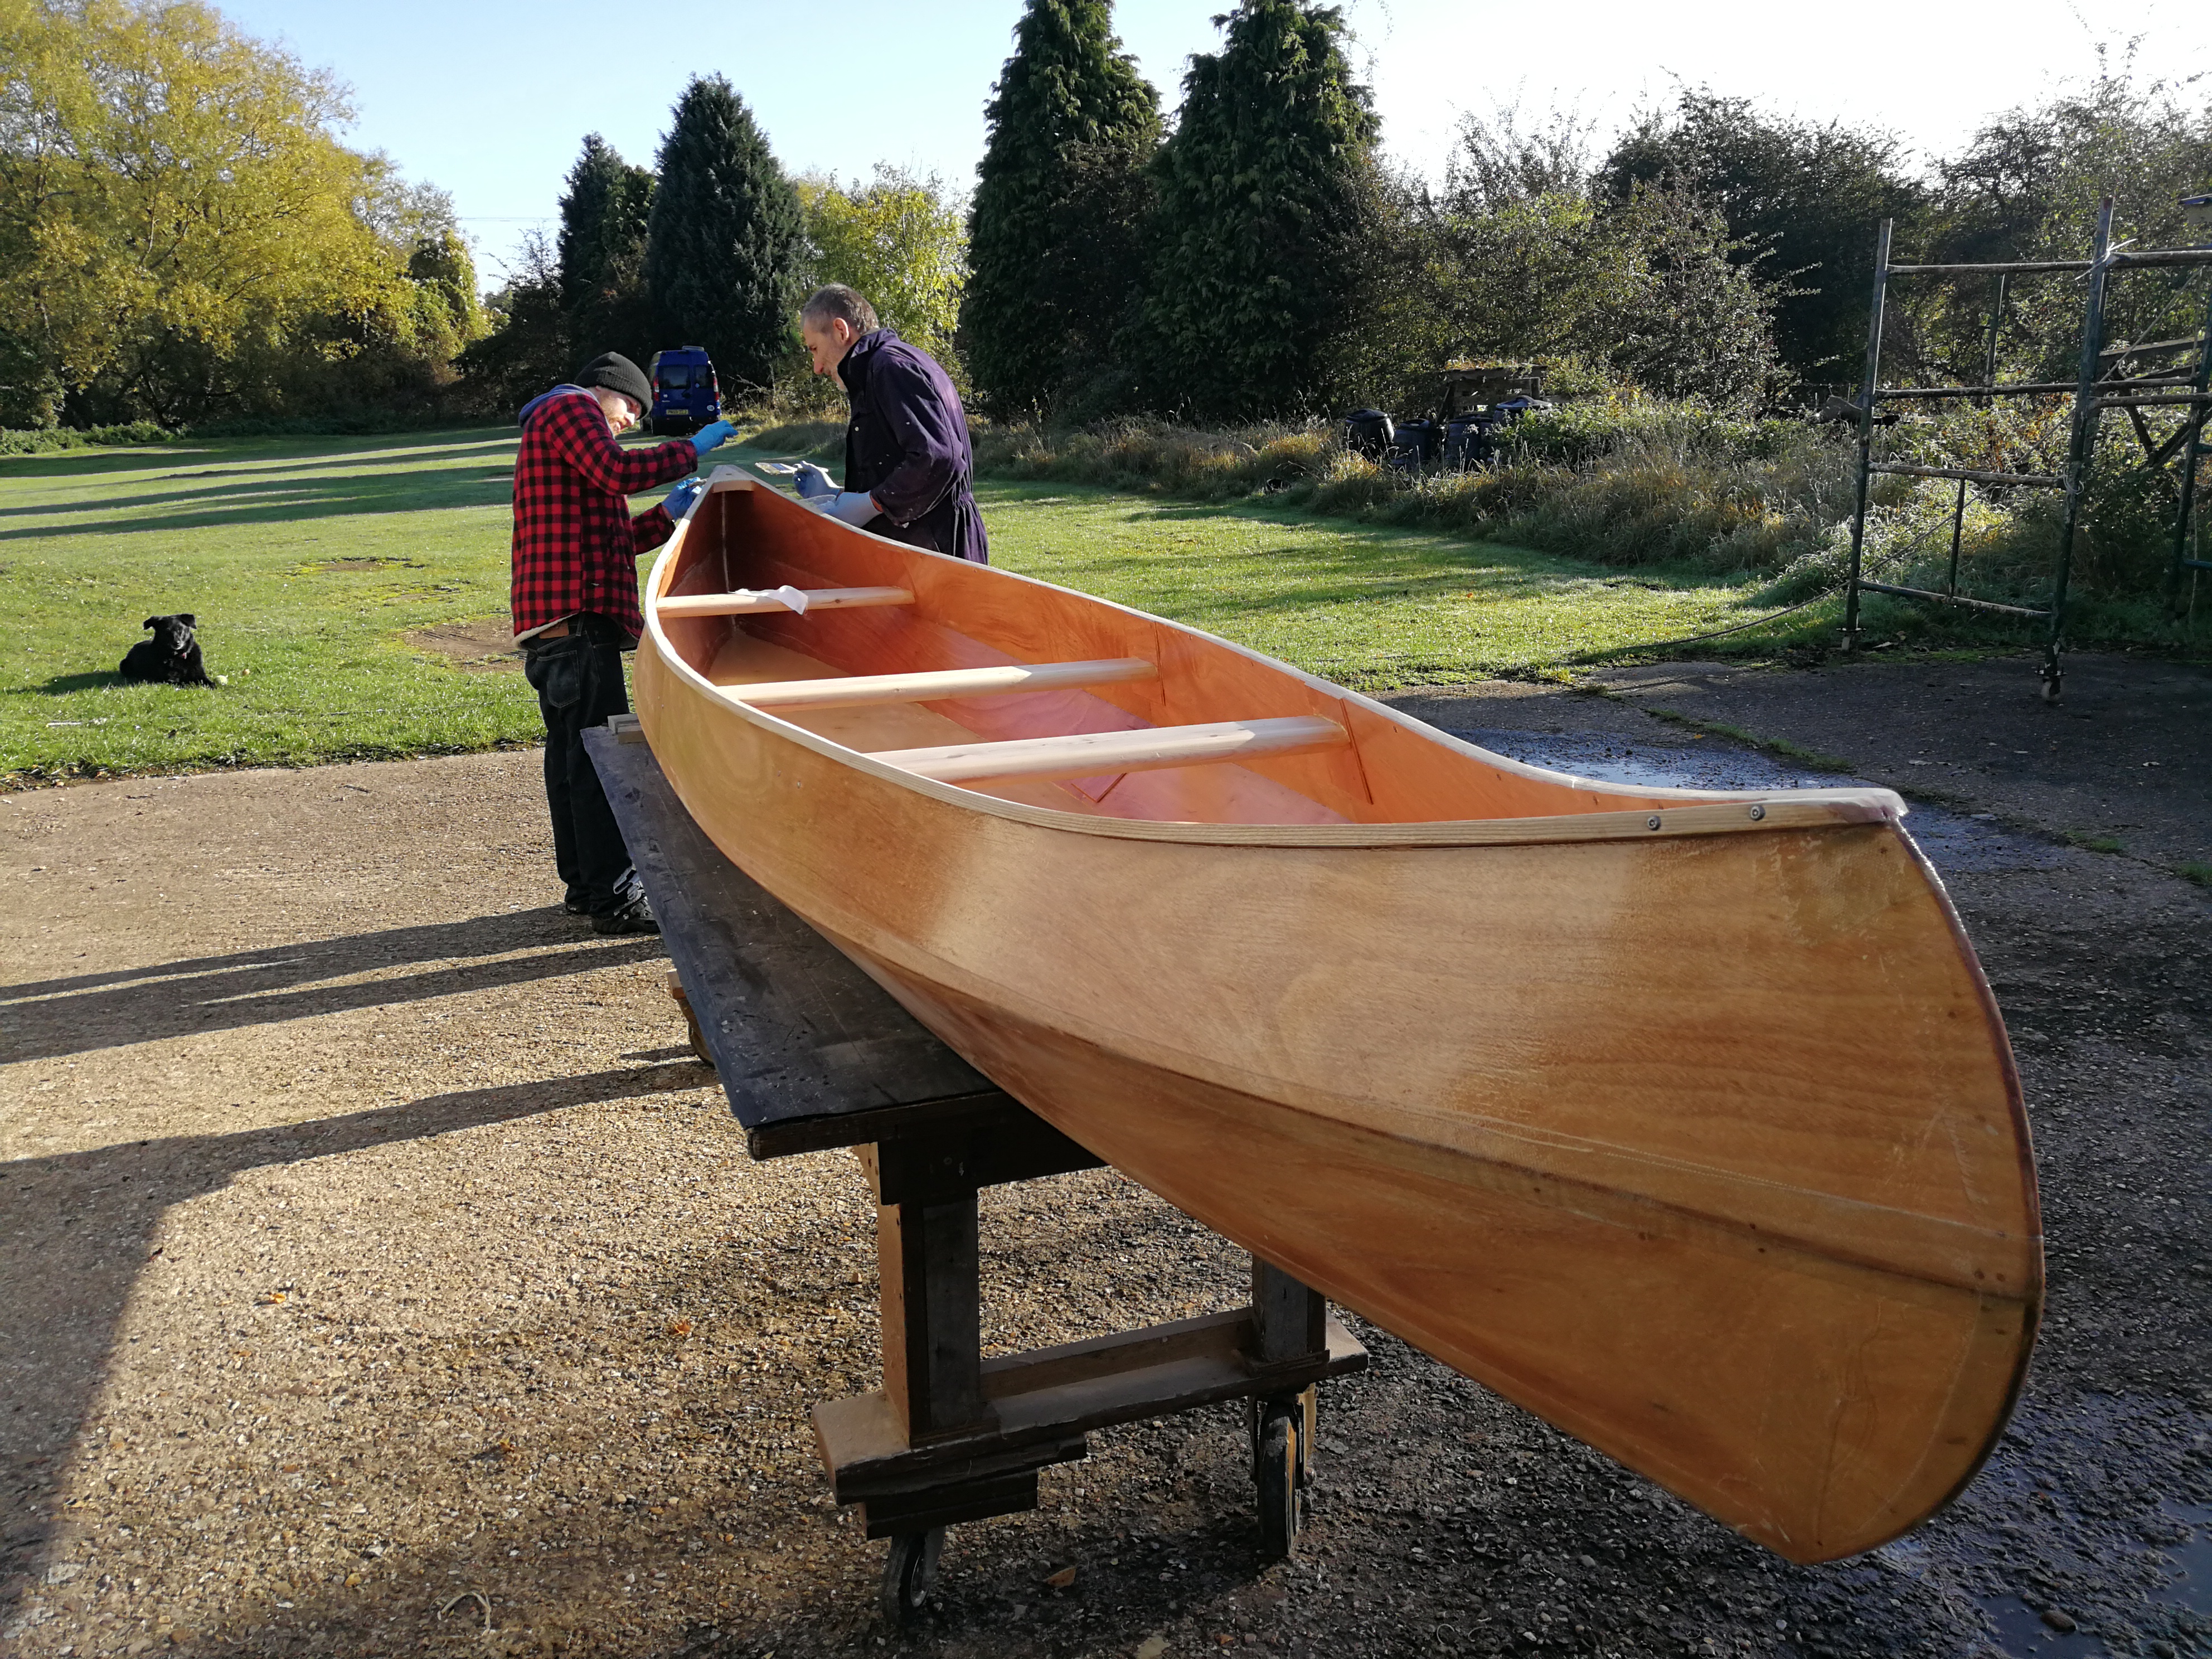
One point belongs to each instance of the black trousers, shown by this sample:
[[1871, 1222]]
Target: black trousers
[[579, 681]]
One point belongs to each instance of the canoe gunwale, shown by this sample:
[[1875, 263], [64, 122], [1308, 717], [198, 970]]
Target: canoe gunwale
[[1703, 812]]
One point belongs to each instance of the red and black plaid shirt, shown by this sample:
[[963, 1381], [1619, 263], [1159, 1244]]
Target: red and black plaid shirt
[[575, 545]]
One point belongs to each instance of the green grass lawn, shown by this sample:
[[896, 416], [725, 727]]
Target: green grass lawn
[[309, 562]]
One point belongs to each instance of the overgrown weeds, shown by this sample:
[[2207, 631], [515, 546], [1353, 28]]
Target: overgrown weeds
[[1638, 482], [47, 440], [1623, 481]]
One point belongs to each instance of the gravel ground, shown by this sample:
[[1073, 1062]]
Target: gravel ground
[[380, 1275]]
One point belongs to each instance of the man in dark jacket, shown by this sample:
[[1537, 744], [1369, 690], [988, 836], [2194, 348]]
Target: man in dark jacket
[[575, 603], [909, 469]]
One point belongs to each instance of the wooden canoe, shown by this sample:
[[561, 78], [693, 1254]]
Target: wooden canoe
[[1683, 1118]]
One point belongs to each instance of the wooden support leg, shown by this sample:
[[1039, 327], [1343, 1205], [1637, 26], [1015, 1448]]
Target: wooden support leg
[[932, 1316], [694, 1034], [1290, 1322]]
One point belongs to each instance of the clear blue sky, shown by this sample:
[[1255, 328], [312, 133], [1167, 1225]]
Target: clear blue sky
[[490, 98]]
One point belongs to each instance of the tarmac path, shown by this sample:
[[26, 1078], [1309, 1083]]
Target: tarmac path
[[377, 1274]]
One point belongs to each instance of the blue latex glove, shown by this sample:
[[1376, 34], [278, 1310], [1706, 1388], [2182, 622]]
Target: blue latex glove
[[678, 500], [854, 506], [713, 435], [812, 481]]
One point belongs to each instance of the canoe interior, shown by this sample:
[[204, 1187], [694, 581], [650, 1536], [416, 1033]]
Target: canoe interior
[[1389, 771]]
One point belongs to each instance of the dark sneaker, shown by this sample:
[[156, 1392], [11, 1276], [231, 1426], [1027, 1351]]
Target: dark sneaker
[[635, 916], [576, 906]]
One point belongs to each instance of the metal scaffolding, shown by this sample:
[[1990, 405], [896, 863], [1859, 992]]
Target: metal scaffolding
[[2101, 383]]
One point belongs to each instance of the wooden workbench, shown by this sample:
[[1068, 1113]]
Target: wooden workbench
[[814, 1054]]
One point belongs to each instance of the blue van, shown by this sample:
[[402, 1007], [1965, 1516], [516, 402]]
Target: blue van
[[684, 395]]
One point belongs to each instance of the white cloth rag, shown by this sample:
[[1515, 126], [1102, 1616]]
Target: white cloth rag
[[793, 597]]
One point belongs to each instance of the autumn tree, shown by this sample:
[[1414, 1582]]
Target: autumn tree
[[898, 240], [181, 234], [1061, 196], [725, 245]]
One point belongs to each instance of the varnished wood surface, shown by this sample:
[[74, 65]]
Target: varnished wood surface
[[1089, 754], [1683, 1118], [851, 690]]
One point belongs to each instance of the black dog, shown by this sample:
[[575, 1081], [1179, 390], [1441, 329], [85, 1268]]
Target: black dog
[[172, 657]]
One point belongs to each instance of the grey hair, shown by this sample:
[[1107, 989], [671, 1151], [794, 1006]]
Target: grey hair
[[837, 300]]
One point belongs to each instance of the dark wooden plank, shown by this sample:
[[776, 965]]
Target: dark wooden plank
[[812, 1052], [1051, 1397], [940, 1165], [889, 1515]]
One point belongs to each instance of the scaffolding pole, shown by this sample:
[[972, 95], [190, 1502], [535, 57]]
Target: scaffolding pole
[[2091, 396]]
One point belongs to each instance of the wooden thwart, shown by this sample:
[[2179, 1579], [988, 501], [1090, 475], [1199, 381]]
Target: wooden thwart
[[748, 604], [858, 691], [1093, 754]]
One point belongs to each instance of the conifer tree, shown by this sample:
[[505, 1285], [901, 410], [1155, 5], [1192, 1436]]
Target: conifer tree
[[1054, 232], [1264, 191], [601, 245], [725, 244]]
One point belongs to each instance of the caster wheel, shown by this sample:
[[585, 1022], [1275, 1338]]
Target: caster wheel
[[2052, 685], [910, 1574], [1275, 1470]]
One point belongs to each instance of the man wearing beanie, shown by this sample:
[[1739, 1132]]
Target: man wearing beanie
[[575, 553]]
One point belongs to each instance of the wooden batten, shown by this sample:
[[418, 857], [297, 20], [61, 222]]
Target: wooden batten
[[755, 605], [858, 691], [1093, 754]]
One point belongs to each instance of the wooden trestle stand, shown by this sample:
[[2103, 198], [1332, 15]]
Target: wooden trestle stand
[[814, 1054]]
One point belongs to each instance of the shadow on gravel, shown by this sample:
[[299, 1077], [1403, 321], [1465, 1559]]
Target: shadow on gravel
[[87, 1012], [74, 1246]]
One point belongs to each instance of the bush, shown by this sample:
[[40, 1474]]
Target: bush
[[45, 440], [818, 440], [1625, 480], [1630, 480]]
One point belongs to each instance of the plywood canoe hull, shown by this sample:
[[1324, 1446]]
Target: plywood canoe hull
[[1705, 1147]]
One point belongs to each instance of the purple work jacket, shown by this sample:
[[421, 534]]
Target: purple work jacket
[[907, 445]]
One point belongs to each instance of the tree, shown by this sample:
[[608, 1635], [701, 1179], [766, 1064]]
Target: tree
[[1680, 310], [180, 233], [900, 242], [1060, 199], [604, 211], [527, 350], [1499, 163], [2028, 187], [726, 245], [1802, 198], [396, 353], [1266, 195]]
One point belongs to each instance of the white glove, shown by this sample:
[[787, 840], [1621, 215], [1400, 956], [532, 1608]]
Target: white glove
[[854, 506]]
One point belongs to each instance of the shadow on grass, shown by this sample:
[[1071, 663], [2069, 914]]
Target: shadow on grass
[[1347, 562], [78, 463], [258, 496], [401, 492], [62, 684]]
